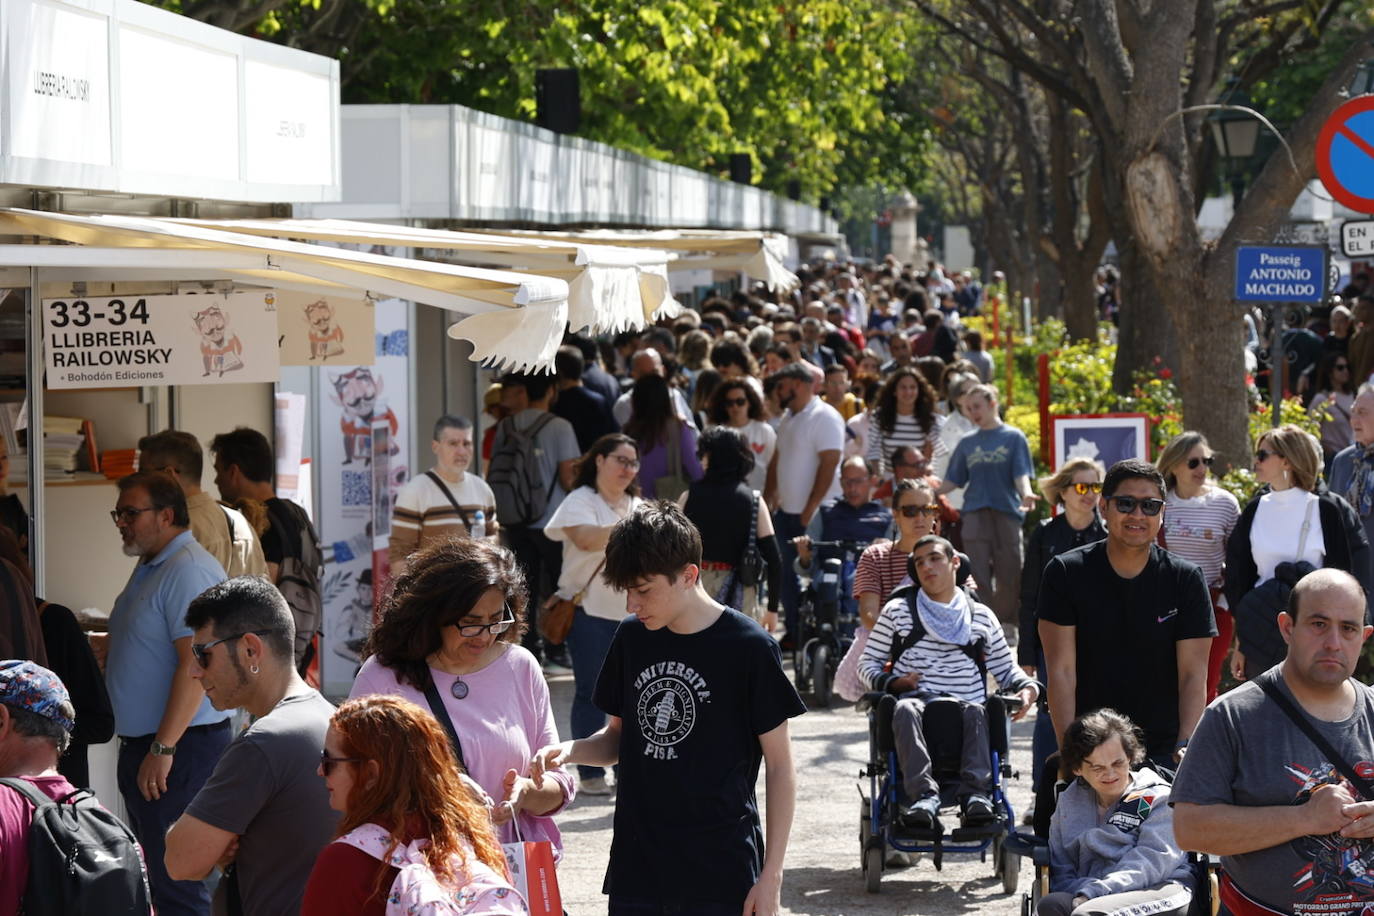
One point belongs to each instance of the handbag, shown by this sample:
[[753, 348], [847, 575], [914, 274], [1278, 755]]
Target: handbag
[[556, 618], [1256, 614], [749, 570], [673, 484]]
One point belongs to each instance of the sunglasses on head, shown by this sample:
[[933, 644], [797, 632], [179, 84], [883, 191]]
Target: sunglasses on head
[[1128, 504], [327, 762], [1083, 489], [913, 511], [1194, 462], [201, 650]]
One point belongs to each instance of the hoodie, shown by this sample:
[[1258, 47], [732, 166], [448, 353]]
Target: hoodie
[[1132, 849]]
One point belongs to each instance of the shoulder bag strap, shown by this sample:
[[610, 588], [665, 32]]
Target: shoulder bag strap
[[577, 599], [228, 523], [436, 706], [29, 791], [750, 544], [1271, 689], [1306, 528], [443, 488], [913, 636]]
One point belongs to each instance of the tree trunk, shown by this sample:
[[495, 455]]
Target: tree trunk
[[1145, 329], [1080, 295]]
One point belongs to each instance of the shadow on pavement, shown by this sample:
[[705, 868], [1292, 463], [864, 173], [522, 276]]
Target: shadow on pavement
[[914, 890]]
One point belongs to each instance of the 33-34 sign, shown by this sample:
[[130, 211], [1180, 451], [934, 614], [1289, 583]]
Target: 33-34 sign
[[77, 312]]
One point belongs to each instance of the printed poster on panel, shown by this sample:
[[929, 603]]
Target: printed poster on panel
[[324, 330], [363, 461]]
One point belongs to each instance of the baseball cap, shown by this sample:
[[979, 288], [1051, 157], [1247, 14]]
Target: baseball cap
[[25, 685]]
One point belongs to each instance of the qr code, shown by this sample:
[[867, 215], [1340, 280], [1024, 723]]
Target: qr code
[[357, 488]]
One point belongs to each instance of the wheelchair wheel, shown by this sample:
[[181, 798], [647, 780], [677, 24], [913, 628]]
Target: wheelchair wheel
[[1008, 866], [801, 668], [820, 675], [873, 865]]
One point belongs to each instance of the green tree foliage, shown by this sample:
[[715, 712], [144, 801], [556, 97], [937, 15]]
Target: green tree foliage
[[804, 87]]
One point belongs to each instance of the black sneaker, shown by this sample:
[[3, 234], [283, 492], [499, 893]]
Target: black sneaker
[[978, 812], [923, 814]]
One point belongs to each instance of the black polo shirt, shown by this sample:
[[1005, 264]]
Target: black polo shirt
[[1126, 630]]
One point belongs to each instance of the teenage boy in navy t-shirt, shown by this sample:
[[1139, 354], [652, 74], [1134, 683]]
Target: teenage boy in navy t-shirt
[[696, 697]]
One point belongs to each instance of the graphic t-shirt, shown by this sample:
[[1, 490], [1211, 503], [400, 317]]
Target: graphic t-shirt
[[1125, 632], [1246, 752], [692, 708], [986, 464]]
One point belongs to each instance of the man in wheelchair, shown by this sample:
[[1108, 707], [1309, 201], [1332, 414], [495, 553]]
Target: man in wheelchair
[[855, 517], [931, 645]]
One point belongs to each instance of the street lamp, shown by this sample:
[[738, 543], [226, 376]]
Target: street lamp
[[1236, 134], [1363, 83]]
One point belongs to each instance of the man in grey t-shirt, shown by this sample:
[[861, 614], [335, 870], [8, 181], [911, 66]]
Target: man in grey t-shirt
[[1255, 790], [264, 808]]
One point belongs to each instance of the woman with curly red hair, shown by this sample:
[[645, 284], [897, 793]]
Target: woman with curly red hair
[[391, 771]]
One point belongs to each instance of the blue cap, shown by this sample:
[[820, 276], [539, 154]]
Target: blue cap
[[25, 685]]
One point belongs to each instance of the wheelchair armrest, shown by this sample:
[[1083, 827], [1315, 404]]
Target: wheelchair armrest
[[869, 700], [1028, 846], [1011, 702]]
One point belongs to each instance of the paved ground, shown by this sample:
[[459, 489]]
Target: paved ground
[[823, 873]]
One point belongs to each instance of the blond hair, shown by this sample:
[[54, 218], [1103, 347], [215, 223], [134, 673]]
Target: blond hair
[[1054, 486], [1299, 449]]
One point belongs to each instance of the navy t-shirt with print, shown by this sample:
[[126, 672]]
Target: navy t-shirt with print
[[692, 708]]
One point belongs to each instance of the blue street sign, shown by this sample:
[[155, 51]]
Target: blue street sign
[[1280, 274]]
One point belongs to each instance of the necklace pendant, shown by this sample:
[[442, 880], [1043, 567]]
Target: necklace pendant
[[459, 689]]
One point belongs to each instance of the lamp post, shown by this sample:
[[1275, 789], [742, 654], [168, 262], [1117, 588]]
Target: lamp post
[[1235, 133], [1363, 83]]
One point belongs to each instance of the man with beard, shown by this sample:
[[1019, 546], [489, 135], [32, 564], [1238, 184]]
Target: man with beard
[[1291, 822], [264, 808], [169, 735]]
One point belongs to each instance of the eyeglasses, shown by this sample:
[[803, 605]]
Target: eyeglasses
[[736, 402], [913, 511], [1262, 455], [201, 650], [629, 464], [1128, 504], [327, 762], [1194, 462], [477, 629], [852, 481], [1083, 489], [1341, 367], [127, 515]]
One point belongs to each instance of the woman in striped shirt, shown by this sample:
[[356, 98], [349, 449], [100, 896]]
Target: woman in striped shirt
[[1198, 518], [905, 415]]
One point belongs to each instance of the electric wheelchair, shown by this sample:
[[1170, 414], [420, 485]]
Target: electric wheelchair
[[828, 615]]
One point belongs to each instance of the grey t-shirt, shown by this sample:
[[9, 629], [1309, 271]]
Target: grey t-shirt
[[1246, 752], [555, 443], [265, 790]]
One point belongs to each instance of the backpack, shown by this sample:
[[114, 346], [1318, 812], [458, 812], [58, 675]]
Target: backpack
[[82, 860], [417, 891], [298, 576], [513, 473]]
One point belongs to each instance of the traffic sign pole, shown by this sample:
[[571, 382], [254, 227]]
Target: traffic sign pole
[[1277, 363]]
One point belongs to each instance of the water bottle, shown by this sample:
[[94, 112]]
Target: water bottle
[[479, 525]]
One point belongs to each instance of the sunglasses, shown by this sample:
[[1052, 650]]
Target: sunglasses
[[327, 762], [1194, 462], [913, 511], [736, 402], [1341, 367], [477, 629], [1262, 455], [1128, 504], [201, 650], [1083, 489]]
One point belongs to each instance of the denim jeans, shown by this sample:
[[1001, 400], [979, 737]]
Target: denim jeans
[[788, 526], [197, 753], [588, 642]]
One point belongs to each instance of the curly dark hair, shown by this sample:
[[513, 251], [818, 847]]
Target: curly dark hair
[[719, 414], [885, 412], [730, 458], [440, 586]]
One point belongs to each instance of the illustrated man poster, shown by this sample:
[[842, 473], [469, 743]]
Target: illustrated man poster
[[363, 459], [319, 330], [187, 339]]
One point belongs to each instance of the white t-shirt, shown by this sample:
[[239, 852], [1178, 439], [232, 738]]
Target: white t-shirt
[[817, 428], [763, 441], [1277, 529], [584, 506]]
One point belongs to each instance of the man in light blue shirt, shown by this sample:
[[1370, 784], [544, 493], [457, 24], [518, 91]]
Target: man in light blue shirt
[[993, 464], [169, 735]]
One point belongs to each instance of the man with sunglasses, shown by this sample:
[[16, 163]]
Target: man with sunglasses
[[1127, 625], [170, 737], [264, 809]]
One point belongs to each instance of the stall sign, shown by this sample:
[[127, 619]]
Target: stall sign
[[188, 339]]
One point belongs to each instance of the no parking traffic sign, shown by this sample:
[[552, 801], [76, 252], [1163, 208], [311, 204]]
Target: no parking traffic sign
[[1345, 154]]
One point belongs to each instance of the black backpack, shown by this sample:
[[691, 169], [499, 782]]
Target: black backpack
[[522, 494], [82, 860], [298, 576]]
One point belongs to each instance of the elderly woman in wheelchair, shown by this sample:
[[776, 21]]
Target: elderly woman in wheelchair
[[935, 645], [1112, 847]]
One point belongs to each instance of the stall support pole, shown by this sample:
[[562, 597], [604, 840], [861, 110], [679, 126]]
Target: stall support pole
[[33, 370]]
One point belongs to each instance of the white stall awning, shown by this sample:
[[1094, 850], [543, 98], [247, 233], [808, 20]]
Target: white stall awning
[[516, 320], [611, 289]]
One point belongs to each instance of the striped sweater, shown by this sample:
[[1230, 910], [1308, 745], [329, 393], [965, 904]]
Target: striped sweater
[[944, 668]]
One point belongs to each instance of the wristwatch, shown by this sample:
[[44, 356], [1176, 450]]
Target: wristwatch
[[158, 749]]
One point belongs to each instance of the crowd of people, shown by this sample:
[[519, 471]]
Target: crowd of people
[[647, 519]]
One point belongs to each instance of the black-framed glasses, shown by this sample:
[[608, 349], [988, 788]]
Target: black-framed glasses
[[327, 762], [913, 511], [468, 630], [128, 514], [1083, 489], [1128, 504], [1263, 454], [1194, 462], [201, 650]]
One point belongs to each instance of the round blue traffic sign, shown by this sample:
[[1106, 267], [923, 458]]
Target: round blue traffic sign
[[1345, 154]]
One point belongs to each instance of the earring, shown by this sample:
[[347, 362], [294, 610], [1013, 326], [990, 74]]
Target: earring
[[253, 670], [1285, 475]]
